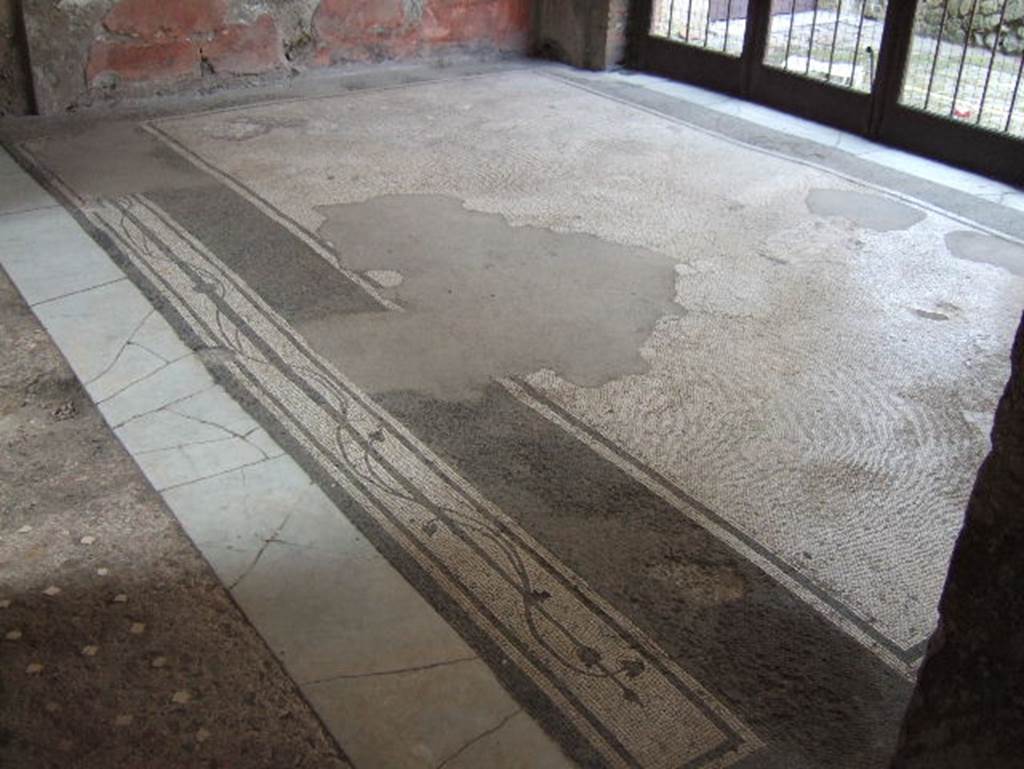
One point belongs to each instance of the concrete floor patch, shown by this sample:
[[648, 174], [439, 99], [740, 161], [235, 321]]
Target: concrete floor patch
[[483, 300]]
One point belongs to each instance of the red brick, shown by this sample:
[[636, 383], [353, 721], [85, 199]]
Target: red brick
[[358, 21], [149, 19], [135, 62], [361, 30], [512, 23], [246, 49], [500, 22], [459, 21]]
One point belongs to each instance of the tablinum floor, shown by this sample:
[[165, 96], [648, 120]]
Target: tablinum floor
[[675, 431]]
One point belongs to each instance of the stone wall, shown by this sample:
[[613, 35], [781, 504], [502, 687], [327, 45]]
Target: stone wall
[[15, 88], [83, 50], [989, 24], [968, 706]]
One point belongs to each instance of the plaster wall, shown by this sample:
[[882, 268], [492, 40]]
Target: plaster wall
[[85, 50]]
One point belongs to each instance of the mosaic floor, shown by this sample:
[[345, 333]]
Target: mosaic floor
[[672, 419]]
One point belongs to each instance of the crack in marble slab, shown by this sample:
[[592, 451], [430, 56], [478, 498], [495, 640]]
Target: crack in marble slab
[[182, 446], [127, 343], [483, 735], [142, 379], [231, 434], [166, 406], [215, 475], [76, 292], [263, 548], [394, 672]]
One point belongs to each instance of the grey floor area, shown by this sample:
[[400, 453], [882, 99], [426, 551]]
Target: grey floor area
[[536, 417]]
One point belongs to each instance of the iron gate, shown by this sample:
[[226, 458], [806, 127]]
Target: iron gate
[[939, 77]]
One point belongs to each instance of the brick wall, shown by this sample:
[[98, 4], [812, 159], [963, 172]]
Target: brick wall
[[84, 50]]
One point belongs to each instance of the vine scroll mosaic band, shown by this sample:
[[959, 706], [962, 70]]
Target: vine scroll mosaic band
[[634, 706]]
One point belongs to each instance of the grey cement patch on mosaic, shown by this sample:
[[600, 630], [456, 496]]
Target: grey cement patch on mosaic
[[224, 477], [483, 300], [986, 249], [804, 409], [872, 212]]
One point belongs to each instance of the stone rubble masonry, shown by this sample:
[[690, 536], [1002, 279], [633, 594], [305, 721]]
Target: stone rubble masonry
[[89, 50], [968, 707]]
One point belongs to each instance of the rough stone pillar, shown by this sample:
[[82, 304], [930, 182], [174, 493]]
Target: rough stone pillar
[[968, 707], [585, 33], [15, 82]]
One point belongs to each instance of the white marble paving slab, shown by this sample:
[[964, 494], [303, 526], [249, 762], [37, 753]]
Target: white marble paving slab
[[232, 516], [460, 730], [113, 336], [187, 463], [189, 439], [215, 406], [166, 386], [48, 255], [8, 166], [516, 742], [20, 192], [166, 428], [363, 619]]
